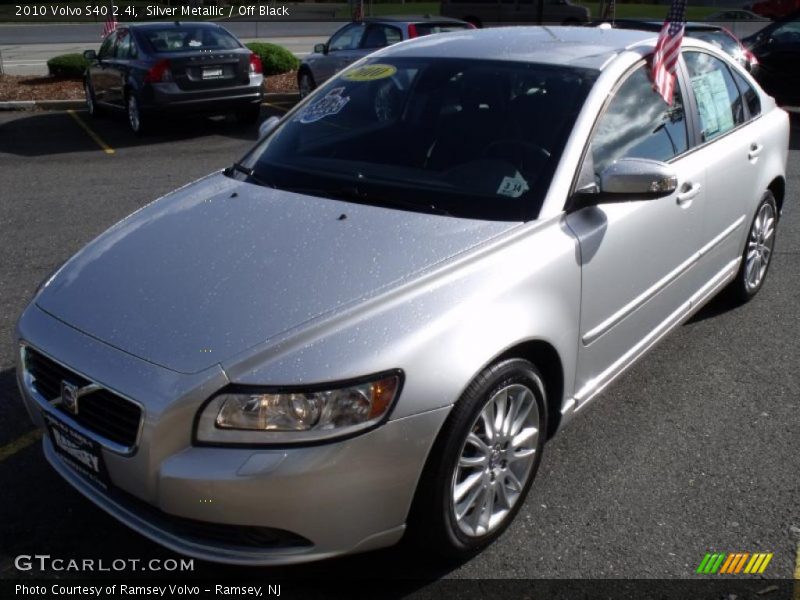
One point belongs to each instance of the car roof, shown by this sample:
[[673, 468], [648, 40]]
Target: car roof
[[412, 19], [653, 25], [177, 24], [590, 47]]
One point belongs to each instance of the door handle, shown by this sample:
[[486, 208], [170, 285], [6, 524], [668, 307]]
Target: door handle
[[755, 150], [688, 193]]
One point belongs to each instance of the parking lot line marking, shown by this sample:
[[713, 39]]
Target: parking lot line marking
[[275, 106], [20, 443], [103, 146]]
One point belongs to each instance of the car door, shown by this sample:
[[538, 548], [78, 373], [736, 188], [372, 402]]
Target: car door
[[117, 67], [343, 49], [99, 70], [730, 147], [636, 256]]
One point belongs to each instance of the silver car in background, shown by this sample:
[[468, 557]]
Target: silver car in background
[[374, 320], [356, 40]]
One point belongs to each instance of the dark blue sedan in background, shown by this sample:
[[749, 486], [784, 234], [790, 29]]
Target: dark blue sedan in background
[[179, 67]]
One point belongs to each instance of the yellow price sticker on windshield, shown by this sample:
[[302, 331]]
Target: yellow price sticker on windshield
[[370, 73]]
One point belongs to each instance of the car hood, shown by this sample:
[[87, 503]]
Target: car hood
[[220, 266]]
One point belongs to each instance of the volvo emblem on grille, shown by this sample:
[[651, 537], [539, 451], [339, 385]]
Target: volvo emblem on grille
[[69, 396]]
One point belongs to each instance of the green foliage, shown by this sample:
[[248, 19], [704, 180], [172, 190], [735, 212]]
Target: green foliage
[[275, 59], [67, 65]]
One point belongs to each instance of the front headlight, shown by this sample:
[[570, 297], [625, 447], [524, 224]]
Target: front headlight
[[286, 416]]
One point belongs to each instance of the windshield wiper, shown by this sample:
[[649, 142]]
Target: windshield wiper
[[240, 168], [357, 195]]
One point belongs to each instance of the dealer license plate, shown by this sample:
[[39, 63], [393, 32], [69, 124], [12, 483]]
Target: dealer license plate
[[84, 455], [212, 73]]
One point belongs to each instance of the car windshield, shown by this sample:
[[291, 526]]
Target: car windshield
[[188, 39], [473, 138]]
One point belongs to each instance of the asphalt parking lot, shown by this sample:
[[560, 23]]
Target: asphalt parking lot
[[696, 449]]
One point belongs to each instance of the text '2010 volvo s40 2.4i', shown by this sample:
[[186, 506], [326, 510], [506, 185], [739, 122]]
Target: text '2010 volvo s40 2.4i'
[[375, 319]]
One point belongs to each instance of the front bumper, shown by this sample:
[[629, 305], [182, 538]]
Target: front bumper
[[320, 501]]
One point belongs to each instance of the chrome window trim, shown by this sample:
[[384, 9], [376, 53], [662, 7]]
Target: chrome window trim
[[49, 406]]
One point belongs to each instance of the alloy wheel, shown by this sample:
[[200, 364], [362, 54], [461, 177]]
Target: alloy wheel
[[306, 86], [89, 98], [759, 247], [496, 460], [134, 118]]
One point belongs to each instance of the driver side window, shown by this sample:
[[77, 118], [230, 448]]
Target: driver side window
[[107, 47], [638, 123], [348, 38]]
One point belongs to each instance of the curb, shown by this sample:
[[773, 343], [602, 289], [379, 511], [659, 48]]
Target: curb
[[79, 104], [42, 104]]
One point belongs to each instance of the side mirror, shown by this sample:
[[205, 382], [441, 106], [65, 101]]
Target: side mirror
[[267, 126], [90, 55], [628, 180], [320, 48], [637, 179]]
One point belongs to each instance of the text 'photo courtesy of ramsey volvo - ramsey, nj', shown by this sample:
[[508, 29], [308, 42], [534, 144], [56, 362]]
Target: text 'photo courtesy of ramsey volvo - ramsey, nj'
[[369, 325]]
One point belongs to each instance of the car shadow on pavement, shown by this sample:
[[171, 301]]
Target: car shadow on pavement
[[718, 305], [33, 134], [14, 420]]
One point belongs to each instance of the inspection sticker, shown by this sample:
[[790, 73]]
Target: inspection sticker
[[370, 73], [330, 104], [513, 187]]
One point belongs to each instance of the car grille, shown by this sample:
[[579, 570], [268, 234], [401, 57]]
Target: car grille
[[102, 412]]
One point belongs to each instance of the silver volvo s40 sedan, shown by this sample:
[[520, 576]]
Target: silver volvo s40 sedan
[[373, 321]]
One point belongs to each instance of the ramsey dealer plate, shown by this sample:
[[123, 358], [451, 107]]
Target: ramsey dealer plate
[[79, 452], [212, 73]]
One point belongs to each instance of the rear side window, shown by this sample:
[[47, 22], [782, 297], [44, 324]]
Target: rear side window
[[718, 99], [379, 36], [639, 124], [749, 94], [188, 39], [429, 28]]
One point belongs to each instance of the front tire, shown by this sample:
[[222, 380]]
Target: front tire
[[91, 101], [484, 461], [305, 83], [758, 249]]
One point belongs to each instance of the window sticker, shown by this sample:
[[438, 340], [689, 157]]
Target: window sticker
[[370, 73], [330, 104], [513, 187], [713, 103]]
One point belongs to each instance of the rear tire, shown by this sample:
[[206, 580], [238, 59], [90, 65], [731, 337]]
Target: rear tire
[[758, 249], [483, 462], [133, 111], [248, 115]]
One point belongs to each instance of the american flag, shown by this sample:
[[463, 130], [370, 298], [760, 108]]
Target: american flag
[[668, 49], [111, 21]]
